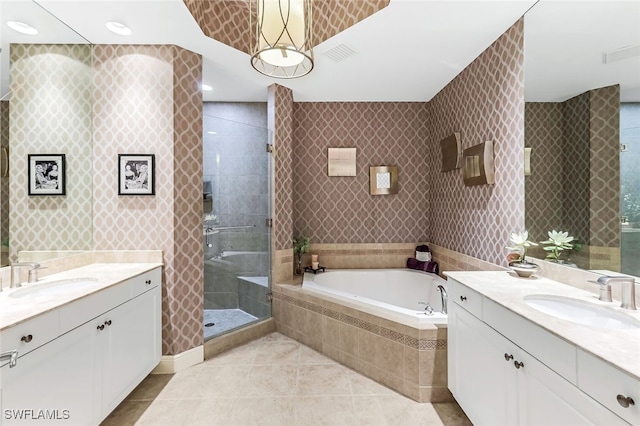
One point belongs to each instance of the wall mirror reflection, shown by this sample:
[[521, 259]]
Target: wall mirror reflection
[[582, 123], [45, 106]]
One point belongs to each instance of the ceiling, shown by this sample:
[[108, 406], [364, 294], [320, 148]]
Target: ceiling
[[408, 51]]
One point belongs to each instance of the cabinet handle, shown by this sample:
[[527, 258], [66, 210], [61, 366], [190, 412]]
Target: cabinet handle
[[625, 401], [27, 338], [518, 364], [100, 327], [107, 322], [148, 282], [463, 298], [508, 357]]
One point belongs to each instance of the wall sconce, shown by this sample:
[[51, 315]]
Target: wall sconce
[[282, 37], [451, 152], [341, 161], [383, 180], [527, 161], [478, 164]]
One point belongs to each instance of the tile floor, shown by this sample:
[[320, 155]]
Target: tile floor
[[274, 381], [224, 320]]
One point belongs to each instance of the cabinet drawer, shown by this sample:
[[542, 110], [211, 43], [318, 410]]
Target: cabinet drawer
[[465, 297], [604, 383], [145, 282], [93, 305], [29, 335]]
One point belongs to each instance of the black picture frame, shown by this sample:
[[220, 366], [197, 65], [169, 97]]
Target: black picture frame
[[136, 174], [47, 174]]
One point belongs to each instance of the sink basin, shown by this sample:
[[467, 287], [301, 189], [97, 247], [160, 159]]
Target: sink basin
[[52, 288], [582, 312]]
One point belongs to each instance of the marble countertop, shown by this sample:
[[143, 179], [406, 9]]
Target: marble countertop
[[103, 275], [620, 348]]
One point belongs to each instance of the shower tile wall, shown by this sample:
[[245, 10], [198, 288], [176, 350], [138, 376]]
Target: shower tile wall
[[235, 163]]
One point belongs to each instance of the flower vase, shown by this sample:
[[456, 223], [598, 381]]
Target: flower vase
[[524, 269]]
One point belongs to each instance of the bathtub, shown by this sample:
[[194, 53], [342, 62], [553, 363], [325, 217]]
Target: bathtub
[[396, 294]]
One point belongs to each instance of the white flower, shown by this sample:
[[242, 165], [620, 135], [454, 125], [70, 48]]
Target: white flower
[[521, 239], [560, 240]]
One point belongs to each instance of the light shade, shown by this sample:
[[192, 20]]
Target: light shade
[[281, 37]]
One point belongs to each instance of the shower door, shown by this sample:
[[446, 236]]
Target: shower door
[[630, 188], [236, 235]]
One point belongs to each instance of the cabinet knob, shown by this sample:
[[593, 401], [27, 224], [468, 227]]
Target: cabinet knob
[[100, 327], [148, 282], [107, 322], [518, 364], [508, 357], [625, 401], [26, 338], [463, 298]]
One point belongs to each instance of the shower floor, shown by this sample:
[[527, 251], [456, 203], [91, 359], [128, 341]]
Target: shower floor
[[224, 320]]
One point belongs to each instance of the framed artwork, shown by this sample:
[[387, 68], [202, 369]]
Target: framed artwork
[[46, 174], [136, 174], [383, 180], [341, 161], [478, 165]]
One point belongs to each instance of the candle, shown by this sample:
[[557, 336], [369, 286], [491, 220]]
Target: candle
[[314, 258], [314, 265]]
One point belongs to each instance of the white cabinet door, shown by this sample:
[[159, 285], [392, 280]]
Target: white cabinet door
[[131, 346], [53, 384], [483, 380], [545, 398]]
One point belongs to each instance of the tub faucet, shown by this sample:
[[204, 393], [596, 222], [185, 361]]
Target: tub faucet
[[33, 272], [443, 297], [628, 289]]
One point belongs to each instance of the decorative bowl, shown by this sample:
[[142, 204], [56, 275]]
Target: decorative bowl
[[524, 270]]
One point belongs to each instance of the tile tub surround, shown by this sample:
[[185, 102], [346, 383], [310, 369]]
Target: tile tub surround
[[410, 361]]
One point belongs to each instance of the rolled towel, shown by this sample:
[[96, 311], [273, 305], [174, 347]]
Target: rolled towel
[[422, 266], [423, 256]]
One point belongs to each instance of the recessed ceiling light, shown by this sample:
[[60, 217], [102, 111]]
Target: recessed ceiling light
[[21, 27], [118, 28], [206, 87]]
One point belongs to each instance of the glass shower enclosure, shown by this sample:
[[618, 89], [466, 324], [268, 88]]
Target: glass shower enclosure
[[236, 235]]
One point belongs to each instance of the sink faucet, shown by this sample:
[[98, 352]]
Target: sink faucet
[[12, 355], [628, 290], [33, 272], [444, 297]]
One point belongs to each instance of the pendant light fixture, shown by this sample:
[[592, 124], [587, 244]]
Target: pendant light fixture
[[281, 37]]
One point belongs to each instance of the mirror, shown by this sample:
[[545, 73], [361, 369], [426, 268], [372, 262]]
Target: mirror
[[45, 108], [582, 98]]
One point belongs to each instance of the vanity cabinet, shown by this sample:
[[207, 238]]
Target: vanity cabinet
[[80, 376], [497, 382]]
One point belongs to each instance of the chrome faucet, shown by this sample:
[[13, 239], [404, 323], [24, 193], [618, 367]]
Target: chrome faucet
[[12, 355], [33, 272], [628, 290], [444, 298]]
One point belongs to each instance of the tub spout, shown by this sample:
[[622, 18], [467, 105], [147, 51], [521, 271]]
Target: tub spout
[[444, 298]]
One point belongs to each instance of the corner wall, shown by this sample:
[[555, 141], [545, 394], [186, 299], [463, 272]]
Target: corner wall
[[147, 100], [485, 102]]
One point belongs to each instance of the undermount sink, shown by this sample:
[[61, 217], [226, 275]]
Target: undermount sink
[[52, 288], [581, 312]]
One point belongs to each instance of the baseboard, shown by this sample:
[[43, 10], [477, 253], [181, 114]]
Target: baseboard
[[170, 364]]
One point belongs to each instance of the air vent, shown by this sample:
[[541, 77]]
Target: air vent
[[339, 53], [620, 54]]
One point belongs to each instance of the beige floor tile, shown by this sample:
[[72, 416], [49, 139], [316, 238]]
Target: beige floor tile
[[271, 380], [150, 387], [451, 414], [278, 352], [395, 410], [205, 412], [181, 384], [221, 382], [160, 413], [264, 411], [361, 385], [324, 410], [127, 413], [323, 379], [243, 355], [310, 356]]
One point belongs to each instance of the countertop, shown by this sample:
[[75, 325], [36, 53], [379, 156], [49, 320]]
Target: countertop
[[620, 348], [17, 310]]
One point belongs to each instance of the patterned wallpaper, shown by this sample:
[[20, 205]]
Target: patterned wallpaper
[[280, 122], [228, 20], [484, 102], [148, 101], [575, 178], [604, 181], [50, 113], [4, 181], [543, 188], [340, 209]]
